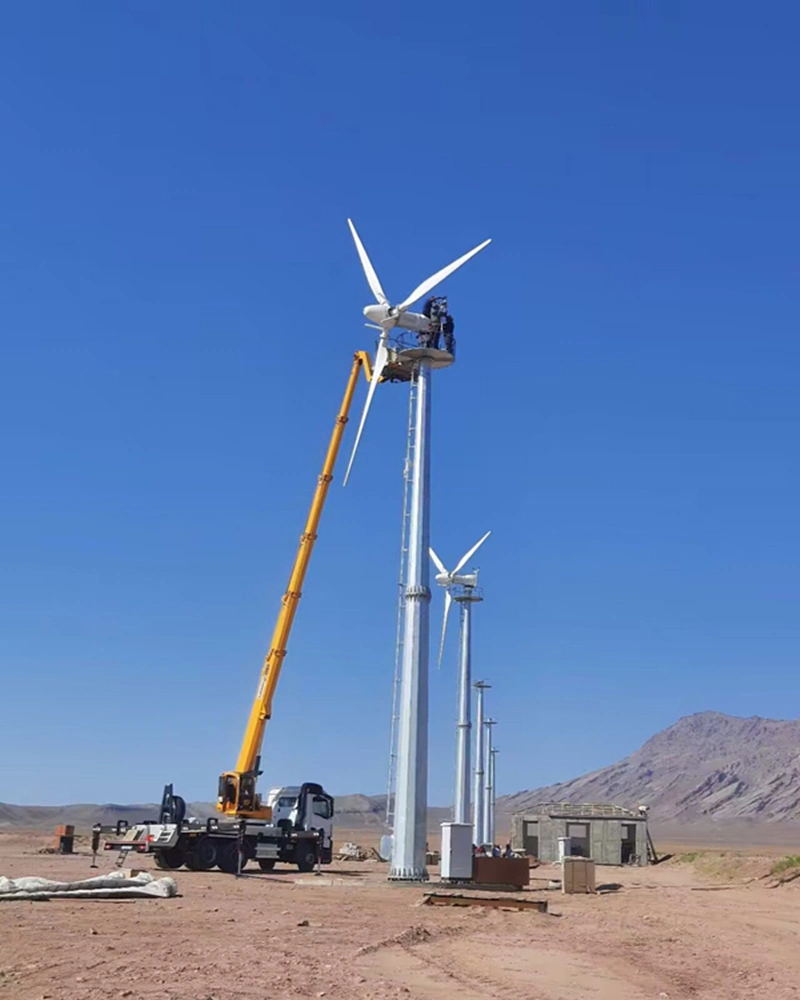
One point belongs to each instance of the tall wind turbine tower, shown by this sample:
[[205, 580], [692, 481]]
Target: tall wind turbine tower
[[464, 590], [415, 364]]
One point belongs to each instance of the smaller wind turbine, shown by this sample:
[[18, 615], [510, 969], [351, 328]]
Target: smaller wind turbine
[[452, 579], [385, 317], [466, 595]]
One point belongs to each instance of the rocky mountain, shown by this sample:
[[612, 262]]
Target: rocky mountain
[[705, 767]]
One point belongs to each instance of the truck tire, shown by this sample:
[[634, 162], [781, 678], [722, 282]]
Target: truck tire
[[202, 855], [305, 859], [171, 858], [266, 864], [228, 858]]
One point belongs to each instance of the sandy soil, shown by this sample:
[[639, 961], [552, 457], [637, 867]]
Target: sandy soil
[[706, 930]]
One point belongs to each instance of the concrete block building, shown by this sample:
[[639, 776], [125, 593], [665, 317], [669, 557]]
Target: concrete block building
[[612, 835]]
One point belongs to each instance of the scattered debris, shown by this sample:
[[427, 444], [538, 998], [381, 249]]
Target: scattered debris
[[416, 934], [713, 888], [493, 902], [115, 885], [355, 852]]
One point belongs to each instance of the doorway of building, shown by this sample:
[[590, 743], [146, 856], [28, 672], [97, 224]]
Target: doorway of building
[[530, 839], [628, 851], [578, 834]]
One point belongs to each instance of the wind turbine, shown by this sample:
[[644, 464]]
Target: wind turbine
[[385, 317], [411, 789], [450, 579], [466, 595]]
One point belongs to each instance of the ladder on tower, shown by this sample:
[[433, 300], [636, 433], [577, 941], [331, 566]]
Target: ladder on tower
[[408, 466]]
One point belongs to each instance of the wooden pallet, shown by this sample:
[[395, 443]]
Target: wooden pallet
[[493, 902]]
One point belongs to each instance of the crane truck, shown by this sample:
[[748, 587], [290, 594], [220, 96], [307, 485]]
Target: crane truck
[[293, 824]]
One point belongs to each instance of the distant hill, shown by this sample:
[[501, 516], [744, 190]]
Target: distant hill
[[705, 767], [352, 812], [85, 815]]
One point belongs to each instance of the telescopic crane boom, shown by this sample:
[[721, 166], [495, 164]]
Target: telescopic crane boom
[[237, 789]]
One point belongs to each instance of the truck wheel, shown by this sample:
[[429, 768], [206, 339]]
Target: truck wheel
[[305, 859], [202, 855], [228, 858], [170, 859], [266, 864]]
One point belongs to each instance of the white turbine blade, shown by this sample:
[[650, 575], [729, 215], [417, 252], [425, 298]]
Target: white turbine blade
[[448, 600], [437, 562], [434, 280], [369, 270], [471, 553], [381, 356]]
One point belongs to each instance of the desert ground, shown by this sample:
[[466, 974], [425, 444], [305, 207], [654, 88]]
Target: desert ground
[[707, 926]]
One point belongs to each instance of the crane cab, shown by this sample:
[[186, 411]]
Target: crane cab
[[237, 796]]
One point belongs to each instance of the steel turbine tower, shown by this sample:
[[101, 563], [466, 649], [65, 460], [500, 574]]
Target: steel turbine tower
[[463, 589], [411, 790]]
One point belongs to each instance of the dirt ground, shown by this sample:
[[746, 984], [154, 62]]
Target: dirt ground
[[706, 928]]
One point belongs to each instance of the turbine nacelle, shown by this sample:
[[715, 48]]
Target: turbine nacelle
[[386, 316], [451, 579]]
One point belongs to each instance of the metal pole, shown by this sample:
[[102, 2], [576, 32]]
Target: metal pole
[[477, 818], [411, 793], [493, 796], [488, 825], [461, 809]]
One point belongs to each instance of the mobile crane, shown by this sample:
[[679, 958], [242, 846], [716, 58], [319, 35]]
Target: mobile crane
[[294, 824]]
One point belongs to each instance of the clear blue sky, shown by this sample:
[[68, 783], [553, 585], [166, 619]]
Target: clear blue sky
[[179, 301]]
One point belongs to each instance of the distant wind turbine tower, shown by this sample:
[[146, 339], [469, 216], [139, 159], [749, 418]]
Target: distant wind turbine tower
[[478, 821], [463, 589], [493, 793], [488, 813], [414, 364]]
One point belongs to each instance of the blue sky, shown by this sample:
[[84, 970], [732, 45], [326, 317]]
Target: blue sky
[[179, 301]]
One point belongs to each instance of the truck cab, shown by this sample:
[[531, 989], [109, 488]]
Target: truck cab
[[303, 807]]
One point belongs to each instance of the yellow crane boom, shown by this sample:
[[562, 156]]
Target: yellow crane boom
[[237, 789]]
